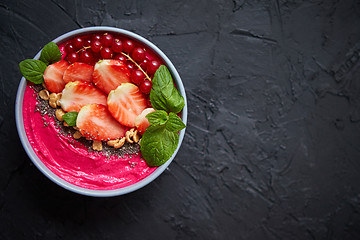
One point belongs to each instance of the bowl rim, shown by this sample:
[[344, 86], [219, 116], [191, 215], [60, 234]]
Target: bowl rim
[[52, 176]]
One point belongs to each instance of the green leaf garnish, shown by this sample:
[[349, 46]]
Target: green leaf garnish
[[174, 124], [33, 70], [50, 53], [70, 118], [161, 138], [158, 144], [172, 121], [164, 95], [158, 117]]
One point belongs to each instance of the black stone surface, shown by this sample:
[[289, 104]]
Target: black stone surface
[[272, 143]]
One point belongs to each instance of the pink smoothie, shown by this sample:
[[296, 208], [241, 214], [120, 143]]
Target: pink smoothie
[[72, 161]]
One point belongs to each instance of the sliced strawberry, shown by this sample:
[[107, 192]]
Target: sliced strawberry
[[126, 103], [78, 71], [53, 76], [109, 74], [141, 122], [95, 122], [78, 94]]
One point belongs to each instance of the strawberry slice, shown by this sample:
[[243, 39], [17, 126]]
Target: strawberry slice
[[109, 74], [53, 76], [126, 103], [141, 122], [78, 94], [78, 71], [95, 122]]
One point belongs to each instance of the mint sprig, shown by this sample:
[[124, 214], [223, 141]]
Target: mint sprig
[[70, 118], [33, 70], [161, 138], [164, 95]]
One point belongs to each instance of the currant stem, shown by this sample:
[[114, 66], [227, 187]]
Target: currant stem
[[132, 60], [83, 48]]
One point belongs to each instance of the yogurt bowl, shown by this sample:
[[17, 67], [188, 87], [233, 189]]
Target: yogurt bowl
[[65, 160]]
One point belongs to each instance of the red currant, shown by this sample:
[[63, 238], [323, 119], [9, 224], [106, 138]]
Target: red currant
[[73, 57], [86, 57], [131, 66], [146, 86], [149, 56], [144, 64], [128, 46], [78, 43], [96, 46], [138, 54], [120, 57], [117, 46], [153, 66], [107, 40], [106, 53], [69, 48], [87, 43], [96, 37], [137, 76]]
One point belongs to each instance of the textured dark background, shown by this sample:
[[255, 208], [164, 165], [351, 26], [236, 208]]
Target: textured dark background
[[271, 149]]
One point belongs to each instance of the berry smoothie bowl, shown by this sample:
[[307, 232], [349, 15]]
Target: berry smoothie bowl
[[101, 111]]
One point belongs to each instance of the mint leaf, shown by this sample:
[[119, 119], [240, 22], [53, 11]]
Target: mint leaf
[[50, 53], [157, 100], [158, 117], [158, 144], [164, 95], [33, 70], [174, 124], [70, 118]]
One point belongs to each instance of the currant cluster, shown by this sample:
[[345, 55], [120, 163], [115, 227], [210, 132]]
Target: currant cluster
[[91, 48]]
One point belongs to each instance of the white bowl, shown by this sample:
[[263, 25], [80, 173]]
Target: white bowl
[[41, 166]]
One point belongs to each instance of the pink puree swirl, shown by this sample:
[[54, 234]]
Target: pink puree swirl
[[72, 161]]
